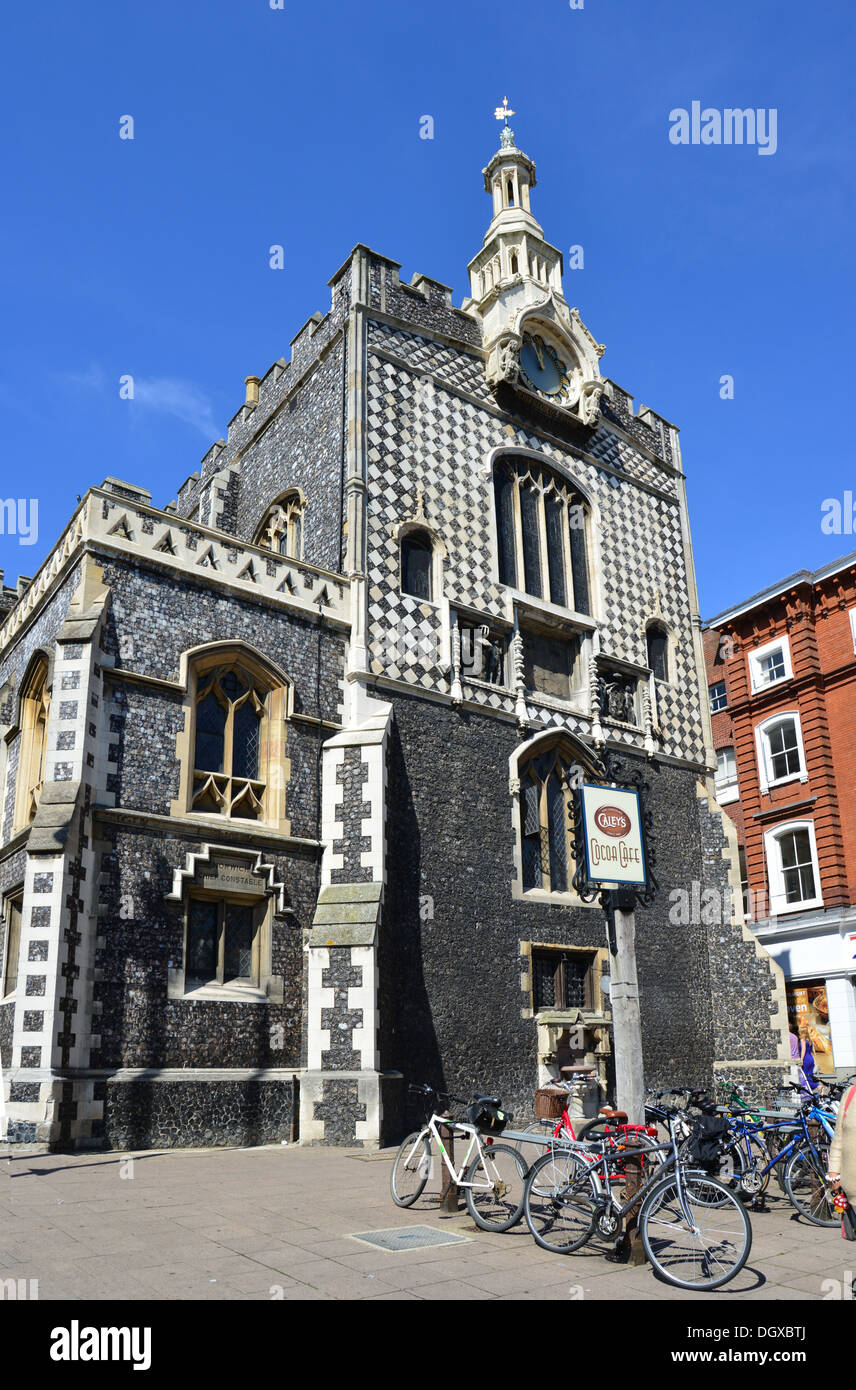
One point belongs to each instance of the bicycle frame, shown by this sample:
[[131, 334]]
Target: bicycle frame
[[801, 1138], [602, 1180], [462, 1129]]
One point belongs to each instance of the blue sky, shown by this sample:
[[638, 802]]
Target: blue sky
[[300, 126]]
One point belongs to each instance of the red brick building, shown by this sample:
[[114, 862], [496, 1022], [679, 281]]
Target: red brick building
[[781, 671]]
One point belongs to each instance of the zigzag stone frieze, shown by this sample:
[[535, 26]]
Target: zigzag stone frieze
[[106, 522]]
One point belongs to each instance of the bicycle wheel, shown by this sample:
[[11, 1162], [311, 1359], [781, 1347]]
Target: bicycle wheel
[[695, 1238], [498, 1175], [411, 1169], [806, 1186], [542, 1127], [752, 1180], [559, 1201]]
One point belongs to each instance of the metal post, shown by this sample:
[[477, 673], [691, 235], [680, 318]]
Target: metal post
[[626, 1017]]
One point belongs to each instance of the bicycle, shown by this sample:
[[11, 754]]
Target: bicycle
[[617, 1135], [694, 1230], [803, 1175], [490, 1174]]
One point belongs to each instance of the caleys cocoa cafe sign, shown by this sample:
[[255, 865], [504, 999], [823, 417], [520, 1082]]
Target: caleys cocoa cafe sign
[[612, 827]]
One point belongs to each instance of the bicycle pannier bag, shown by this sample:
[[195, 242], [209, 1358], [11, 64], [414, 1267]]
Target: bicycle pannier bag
[[487, 1116], [706, 1141]]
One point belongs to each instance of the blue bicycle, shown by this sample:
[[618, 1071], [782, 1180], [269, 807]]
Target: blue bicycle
[[801, 1163]]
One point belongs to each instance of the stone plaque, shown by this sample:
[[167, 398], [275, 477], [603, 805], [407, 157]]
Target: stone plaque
[[227, 876]]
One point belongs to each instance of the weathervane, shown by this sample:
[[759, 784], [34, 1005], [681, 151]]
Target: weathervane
[[502, 113]]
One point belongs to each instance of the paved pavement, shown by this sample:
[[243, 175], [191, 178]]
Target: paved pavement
[[279, 1222]]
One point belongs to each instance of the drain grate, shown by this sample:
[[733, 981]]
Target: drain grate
[[408, 1238]]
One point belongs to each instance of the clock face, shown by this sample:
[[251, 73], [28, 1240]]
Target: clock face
[[543, 367]]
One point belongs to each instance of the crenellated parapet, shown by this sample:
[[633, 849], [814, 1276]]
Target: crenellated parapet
[[109, 522]]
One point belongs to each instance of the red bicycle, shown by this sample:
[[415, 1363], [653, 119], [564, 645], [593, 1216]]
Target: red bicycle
[[610, 1127]]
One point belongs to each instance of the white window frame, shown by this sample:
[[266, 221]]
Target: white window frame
[[765, 756], [775, 874], [710, 687], [853, 627], [755, 658], [729, 791]]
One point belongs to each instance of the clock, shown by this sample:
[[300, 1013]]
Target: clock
[[543, 367]]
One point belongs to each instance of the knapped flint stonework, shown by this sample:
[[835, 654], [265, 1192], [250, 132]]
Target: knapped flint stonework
[[341, 1110], [396, 934], [196, 1113]]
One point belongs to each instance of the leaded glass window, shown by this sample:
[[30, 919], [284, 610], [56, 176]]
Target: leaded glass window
[[541, 534], [561, 979], [238, 944], [530, 520], [202, 943], [221, 942], [230, 709], [416, 565], [546, 831]]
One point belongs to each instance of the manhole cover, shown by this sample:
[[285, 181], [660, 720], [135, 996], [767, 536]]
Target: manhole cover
[[408, 1238]]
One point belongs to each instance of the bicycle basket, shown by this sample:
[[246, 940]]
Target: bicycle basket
[[488, 1116]]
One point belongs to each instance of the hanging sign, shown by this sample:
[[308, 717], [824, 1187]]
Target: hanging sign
[[612, 828]]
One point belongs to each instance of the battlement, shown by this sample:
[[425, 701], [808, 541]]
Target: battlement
[[132, 529], [643, 424]]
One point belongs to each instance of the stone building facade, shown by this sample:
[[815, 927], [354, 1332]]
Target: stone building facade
[[285, 764]]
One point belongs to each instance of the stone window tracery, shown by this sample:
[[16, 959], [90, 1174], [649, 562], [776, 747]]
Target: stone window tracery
[[282, 529], [546, 836], [35, 708], [541, 524], [232, 748]]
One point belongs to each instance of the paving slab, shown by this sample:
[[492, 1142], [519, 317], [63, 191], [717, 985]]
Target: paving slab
[[225, 1224]]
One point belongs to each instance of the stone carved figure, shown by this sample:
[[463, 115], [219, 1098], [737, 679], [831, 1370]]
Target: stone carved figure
[[492, 662], [481, 656], [590, 395], [509, 365], [618, 702]]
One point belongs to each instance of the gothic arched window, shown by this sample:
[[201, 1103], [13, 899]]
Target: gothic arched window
[[235, 739], [545, 823], [658, 651], [282, 529], [541, 526], [35, 706], [417, 559]]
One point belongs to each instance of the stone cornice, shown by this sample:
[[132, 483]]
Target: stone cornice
[[189, 828]]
